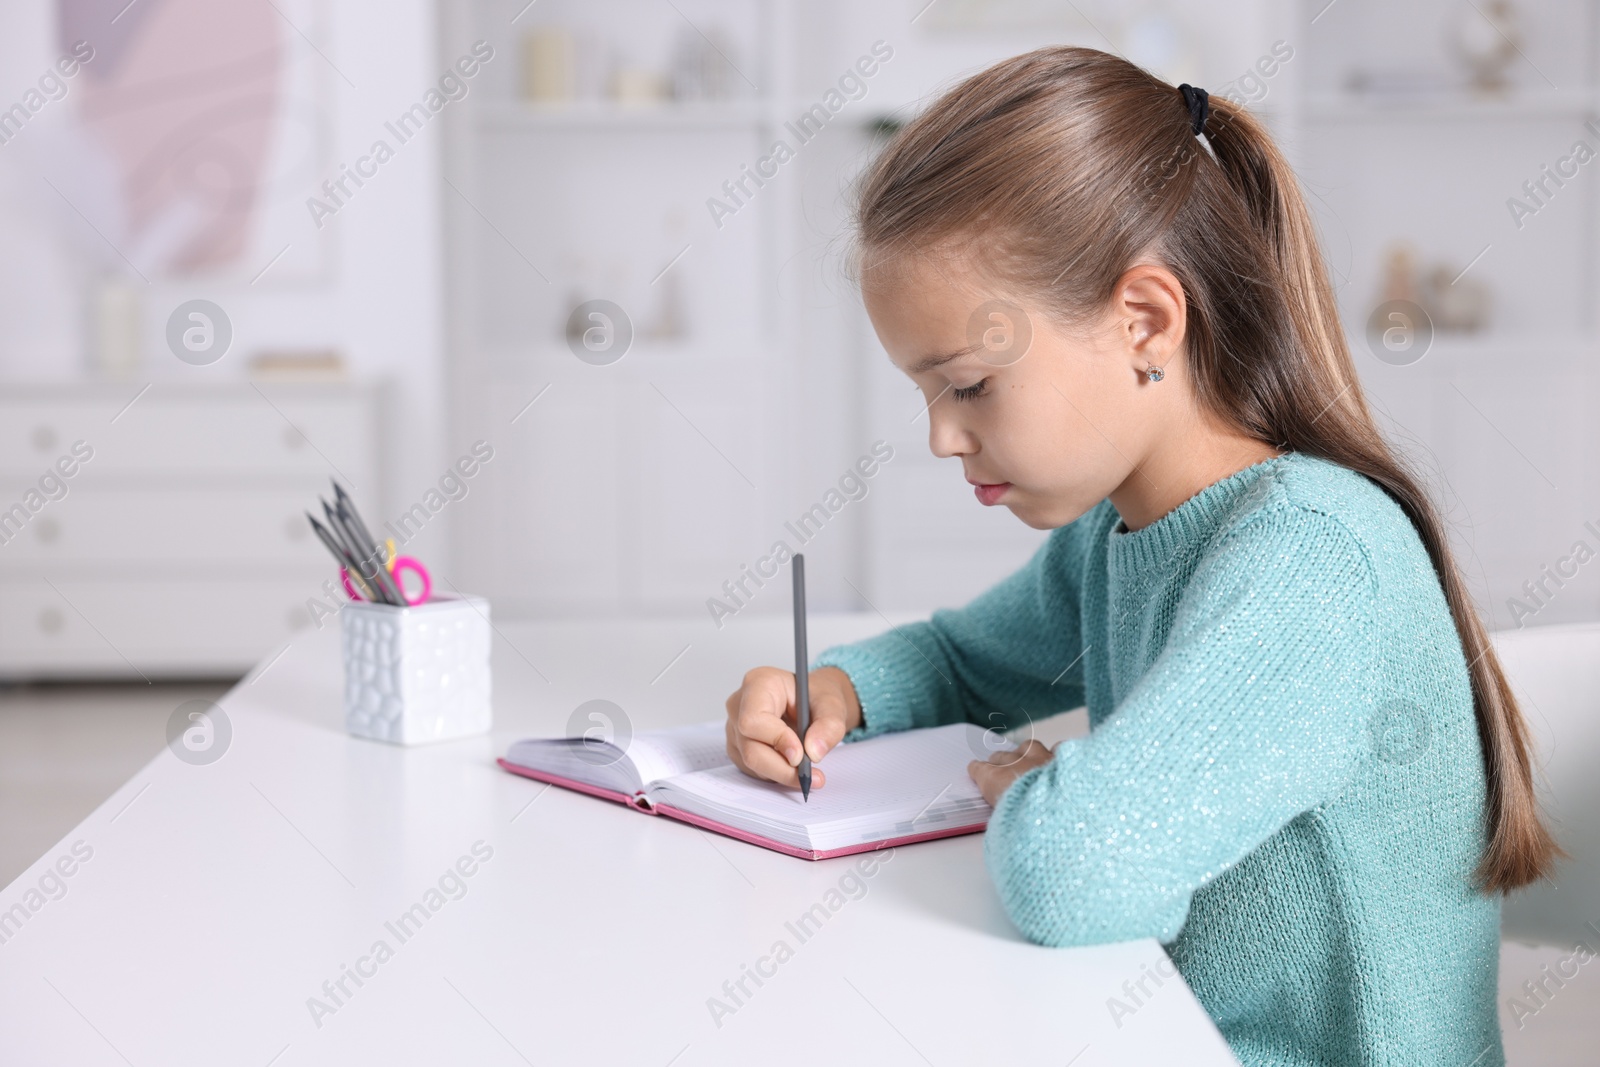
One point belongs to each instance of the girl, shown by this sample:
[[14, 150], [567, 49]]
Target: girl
[[1306, 775]]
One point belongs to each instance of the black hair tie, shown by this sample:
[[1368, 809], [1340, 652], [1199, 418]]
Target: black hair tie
[[1198, 102]]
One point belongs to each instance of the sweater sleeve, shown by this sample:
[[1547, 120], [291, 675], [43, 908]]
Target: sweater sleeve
[[1254, 711], [1013, 654]]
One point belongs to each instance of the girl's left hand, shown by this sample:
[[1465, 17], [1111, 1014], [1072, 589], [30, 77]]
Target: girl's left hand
[[1003, 768]]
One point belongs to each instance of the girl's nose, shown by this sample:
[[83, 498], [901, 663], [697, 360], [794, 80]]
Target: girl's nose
[[946, 437]]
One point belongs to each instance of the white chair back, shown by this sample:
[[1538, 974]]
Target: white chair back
[[1555, 672]]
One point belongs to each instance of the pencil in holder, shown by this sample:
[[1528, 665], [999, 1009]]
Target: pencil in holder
[[417, 674]]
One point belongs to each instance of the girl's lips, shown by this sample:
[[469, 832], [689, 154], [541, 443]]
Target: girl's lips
[[990, 494]]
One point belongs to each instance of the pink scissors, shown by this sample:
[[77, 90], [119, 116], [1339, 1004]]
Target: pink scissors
[[395, 565]]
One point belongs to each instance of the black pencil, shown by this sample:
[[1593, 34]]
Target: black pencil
[[346, 507], [342, 556], [802, 686], [367, 550], [340, 525]]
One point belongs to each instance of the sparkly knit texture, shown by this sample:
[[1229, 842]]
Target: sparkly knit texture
[[1282, 782]]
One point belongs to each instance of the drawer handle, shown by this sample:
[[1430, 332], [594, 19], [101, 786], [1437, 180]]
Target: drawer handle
[[51, 620], [48, 530], [44, 438]]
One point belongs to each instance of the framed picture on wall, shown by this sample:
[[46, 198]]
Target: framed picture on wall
[[200, 131]]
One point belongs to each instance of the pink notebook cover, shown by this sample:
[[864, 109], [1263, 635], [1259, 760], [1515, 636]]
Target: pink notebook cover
[[721, 828]]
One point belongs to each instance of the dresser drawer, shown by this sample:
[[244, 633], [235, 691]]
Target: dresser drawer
[[182, 626], [230, 431], [96, 525]]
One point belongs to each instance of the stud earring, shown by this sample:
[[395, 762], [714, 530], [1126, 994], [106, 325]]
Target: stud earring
[[1154, 373]]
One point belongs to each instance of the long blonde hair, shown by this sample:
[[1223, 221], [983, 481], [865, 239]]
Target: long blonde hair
[[1058, 169]]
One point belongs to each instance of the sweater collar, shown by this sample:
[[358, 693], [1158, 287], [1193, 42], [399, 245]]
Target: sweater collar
[[1191, 523]]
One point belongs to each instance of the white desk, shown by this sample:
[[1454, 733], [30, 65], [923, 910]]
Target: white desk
[[219, 898]]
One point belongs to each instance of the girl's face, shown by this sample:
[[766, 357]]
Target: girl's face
[[1045, 422]]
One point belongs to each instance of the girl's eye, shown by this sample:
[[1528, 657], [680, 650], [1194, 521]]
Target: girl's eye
[[971, 392]]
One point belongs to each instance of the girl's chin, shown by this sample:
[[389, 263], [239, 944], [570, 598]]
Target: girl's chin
[[1045, 517]]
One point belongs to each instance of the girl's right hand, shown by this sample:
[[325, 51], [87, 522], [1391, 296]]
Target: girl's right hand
[[762, 738]]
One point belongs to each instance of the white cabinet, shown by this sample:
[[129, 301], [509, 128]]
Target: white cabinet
[[162, 532]]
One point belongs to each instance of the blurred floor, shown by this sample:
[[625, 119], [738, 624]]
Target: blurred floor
[[65, 748]]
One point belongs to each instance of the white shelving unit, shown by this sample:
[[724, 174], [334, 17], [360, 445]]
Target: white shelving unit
[[591, 115], [1503, 418], [643, 486], [1436, 106], [640, 486]]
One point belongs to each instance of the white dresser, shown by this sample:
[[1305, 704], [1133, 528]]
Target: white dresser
[[161, 532]]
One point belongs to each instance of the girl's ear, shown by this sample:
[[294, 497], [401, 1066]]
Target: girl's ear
[[1149, 309]]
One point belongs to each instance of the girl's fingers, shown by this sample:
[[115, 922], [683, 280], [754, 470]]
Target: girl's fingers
[[767, 763], [763, 700], [982, 775], [1031, 750], [762, 761], [758, 728], [827, 730], [762, 737], [829, 716], [773, 733]]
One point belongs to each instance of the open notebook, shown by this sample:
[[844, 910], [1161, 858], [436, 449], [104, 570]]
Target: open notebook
[[892, 789]]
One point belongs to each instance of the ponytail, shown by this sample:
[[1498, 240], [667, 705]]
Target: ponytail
[[1520, 848], [1085, 162]]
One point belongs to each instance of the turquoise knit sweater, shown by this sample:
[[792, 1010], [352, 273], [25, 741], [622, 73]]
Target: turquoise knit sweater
[[1282, 782]]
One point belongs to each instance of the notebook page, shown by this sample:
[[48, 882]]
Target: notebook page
[[675, 750], [886, 786], [603, 765]]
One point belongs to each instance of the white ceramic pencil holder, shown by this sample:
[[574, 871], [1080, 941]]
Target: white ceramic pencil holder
[[416, 674]]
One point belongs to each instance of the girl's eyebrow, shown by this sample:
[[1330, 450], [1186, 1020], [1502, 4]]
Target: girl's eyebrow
[[928, 363]]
